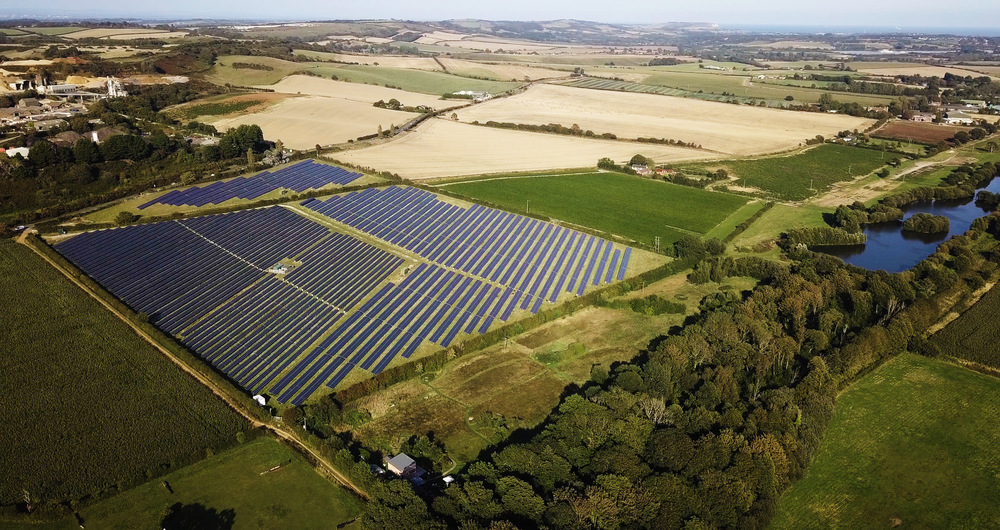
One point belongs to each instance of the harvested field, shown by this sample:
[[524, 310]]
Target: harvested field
[[502, 72], [315, 86], [303, 122], [730, 129], [925, 133], [414, 63], [914, 69], [166, 35], [216, 107], [423, 81], [443, 148]]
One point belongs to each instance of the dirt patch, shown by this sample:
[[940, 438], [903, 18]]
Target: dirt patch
[[926, 133]]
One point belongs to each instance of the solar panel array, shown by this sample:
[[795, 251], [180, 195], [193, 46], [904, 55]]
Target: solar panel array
[[298, 177], [535, 261], [207, 281]]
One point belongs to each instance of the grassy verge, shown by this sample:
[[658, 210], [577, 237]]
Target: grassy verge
[[234, 487], [628, 206], [913, 441]]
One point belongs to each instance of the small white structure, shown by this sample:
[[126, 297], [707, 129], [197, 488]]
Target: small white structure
[[23, 151], [115, 88], [448, 479], [56, 90], [261, 400]]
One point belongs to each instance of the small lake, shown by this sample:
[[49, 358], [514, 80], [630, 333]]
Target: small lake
[[891, 249]]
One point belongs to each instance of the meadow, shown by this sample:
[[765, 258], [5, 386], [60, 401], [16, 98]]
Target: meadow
[[730, 129], [804, 174], [913, 445], [975, 335], [237, 486], [79, 381], [442, 148], [624, 205]]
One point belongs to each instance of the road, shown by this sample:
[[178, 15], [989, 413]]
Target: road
[[282, 433]]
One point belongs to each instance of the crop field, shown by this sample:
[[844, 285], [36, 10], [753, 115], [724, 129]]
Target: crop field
[[442, 148], [916, 441], [55, 30], [11, 31], [221, 106], [237, 485], [413, 63], [800, 176], [356, 92], [925, 133], [729, 129], [974, 336], [501, 72], [79, 381], [624, 205], [280, 303], [125, 33], [425, 82], [914, 69], [304, 122], [223, 71]]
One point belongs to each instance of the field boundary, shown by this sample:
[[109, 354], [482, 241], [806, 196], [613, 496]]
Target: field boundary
[[222, 394]]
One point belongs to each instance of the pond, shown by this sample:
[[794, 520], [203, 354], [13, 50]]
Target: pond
[[891, 249]]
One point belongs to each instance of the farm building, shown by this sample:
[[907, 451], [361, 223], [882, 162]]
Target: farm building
[[922, 117], [960, 118], [401, 464], [642, 169]]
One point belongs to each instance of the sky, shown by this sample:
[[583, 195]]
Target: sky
[[775, 13]]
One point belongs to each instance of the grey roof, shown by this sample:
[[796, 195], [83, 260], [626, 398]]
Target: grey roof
[[401, 461]]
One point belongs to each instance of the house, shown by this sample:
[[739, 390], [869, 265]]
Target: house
[[44, 125], [28, 102], [402, 464], [23, 151], [974, 103], [66, 138], [641, 169], [102, 134], [922, 117], [663, 171]]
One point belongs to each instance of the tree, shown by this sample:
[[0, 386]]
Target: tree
[[962, 137], [126, 218], [86, 151], [789, 98], [251, 160], [124, 147], [43, 154]]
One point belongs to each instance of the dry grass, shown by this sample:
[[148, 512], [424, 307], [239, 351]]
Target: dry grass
[[301, 123], [739, 130], [915, 69], [315, 86], [132, 33], [443, 148]]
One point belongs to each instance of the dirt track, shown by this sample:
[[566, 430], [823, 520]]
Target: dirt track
[[235, 405]]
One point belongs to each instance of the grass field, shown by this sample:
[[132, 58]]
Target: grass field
[[791, 177], [724, 128], [55, 30], [915, 440], [425, 82], [78, 381], [367, 94], [414, 63], [620, 204], [975, 335], [745, 212], [236, 485]]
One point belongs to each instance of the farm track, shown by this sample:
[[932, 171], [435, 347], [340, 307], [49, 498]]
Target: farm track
[[225, 396]]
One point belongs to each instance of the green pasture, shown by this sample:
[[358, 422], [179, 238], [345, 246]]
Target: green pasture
[[625, 205], [422, 81], [802, 175], [234, 490], [61, 30], [912, 444]]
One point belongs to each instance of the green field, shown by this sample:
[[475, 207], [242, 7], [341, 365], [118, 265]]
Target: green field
[[915, 440], [974, 336], [424, 82], [88, 404], [744, 86], [790, 177], [237, 487], [745, 212], [628, 206], [55, 30], [10, 31]]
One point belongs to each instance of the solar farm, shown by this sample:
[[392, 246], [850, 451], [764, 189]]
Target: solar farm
[[306, 175], [287, 300]]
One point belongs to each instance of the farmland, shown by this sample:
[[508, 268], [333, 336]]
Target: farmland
[[213, 280], [125, 33], [599, 200], [235, 484], [974, 336], [303, 122], [916, 441], [802, 175], [315, 86], [413, 63], [737, 130], [926, 133], [501, 72], [96, 385], [441, 148]]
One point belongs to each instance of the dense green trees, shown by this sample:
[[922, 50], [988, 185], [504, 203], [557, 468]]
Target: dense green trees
[[124, 147], [927, 224]]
